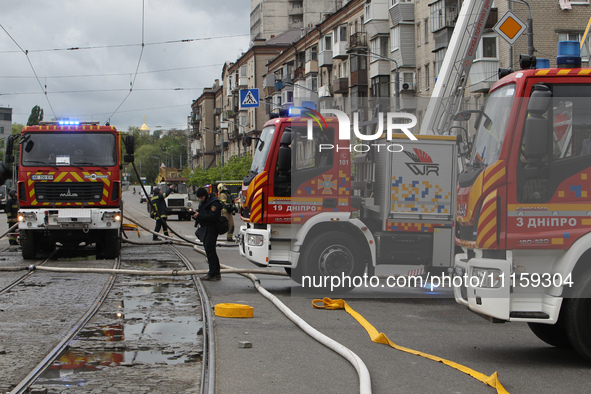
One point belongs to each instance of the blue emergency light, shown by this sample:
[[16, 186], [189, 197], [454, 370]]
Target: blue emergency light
[[69, 122], [569, 54]]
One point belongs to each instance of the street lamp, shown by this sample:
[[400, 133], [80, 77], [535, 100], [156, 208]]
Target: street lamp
[[396, 73], [530, 28]]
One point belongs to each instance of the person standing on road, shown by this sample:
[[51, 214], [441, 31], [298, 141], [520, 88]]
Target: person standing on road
[[207, 216], [159, 211], [227, 209], [12, 215]]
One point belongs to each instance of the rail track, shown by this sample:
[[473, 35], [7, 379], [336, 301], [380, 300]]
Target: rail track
[[73, 332]]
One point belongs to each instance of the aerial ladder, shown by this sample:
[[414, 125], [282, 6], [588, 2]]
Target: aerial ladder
[[451, 81]]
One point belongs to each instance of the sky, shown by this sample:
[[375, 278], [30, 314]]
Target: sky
[[93, 83]]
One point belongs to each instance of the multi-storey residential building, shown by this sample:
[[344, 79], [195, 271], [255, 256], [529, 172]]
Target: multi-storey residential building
[[269, 18], [385, 55], [5, 121]]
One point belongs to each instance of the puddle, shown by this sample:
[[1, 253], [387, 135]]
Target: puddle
[[144, 316]]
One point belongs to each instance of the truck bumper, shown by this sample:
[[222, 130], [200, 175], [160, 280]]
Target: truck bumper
[[492, 289], [83, 219]]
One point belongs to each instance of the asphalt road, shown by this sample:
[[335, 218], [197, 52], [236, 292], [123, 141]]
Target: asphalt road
[[283, 359]]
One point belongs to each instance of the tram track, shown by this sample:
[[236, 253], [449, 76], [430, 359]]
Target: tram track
[[156, 257]]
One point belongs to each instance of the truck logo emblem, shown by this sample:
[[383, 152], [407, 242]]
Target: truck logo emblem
[[423, 163], [327, 184], [69, 194]]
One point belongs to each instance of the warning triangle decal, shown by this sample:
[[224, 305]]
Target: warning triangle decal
[[249, 99]]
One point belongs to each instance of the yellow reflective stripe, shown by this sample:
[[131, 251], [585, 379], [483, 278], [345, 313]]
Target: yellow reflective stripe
[[378, 337]]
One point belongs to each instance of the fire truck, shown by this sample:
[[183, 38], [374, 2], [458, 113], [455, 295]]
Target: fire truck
[[69, 186], [326, 206], [524, 204], [318, 210]]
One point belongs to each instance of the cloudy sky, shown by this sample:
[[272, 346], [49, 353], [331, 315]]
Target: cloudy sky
[[92, 83]]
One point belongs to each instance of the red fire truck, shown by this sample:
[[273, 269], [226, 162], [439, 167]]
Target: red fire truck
[[324, 207], [69, 186], [524, 205]]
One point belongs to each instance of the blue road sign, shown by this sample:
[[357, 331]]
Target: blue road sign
[[249, 98]]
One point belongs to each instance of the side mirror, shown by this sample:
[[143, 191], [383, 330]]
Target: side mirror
[[246, 141], [29, 146], [5, 173], [129, 145], [9, 149]]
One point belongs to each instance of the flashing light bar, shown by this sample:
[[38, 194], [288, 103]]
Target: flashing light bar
[[69, 122]]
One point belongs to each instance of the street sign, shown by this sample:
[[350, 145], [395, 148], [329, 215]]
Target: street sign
[[510, 27], [249, 98]]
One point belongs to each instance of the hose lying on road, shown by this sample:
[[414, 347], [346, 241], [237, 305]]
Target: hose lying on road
[[9, 230], [349, 355], [139, 272], [176, 241]]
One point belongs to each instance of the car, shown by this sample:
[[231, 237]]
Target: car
[[143, 197]]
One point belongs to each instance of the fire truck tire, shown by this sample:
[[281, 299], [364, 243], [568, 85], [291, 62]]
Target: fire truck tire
[[110, 245], [28, 247], [337, 254], [577, 319], [552, 334]]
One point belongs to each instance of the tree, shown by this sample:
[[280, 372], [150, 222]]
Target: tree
[[36, 116]]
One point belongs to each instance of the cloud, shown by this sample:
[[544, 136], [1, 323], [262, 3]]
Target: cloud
[[92, 83]]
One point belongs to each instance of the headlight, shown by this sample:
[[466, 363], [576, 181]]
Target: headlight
[[255, 240], [111, 217], [486, 278], [27, 217], [188, 204]]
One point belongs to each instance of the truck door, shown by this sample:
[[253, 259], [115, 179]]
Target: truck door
[[553, 170]]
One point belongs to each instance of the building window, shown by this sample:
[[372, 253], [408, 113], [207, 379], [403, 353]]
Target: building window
[[418, 37], [418, 79], [343, 32], [426, 27], [326, 44], [427, 77], [312, 53], [488, 48], [380, 86], [394, 38], [437, 14], [439, 56], [358, 63], [394, 2]]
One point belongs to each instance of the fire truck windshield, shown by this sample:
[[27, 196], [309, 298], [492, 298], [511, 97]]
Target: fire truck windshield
[[69, 149], [261, 150], [492, 127]]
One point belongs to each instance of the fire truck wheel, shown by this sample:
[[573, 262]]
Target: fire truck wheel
[[110, 245], [552, 334], [28, 247], [337, 254], [577, 319]]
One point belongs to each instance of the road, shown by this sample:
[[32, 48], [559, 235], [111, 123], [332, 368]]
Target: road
[[285, 359]]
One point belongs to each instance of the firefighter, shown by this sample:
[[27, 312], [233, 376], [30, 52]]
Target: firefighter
[[12, 215], [159, 210], [227, 209], [206, 216]]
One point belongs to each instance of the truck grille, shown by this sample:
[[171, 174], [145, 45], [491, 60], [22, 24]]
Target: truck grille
[[176, 202], [69, 191]]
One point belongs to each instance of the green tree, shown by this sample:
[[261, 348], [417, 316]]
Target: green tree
[[36, 116]]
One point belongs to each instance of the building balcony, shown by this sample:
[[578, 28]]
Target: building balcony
[[358, 41], [325, 58], [299, 73], [311, 66], [339, 50], [483, 74], [359, 77], [340, 85]]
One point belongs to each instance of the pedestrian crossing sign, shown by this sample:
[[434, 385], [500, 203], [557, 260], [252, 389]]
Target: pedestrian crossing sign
[[249, 98]]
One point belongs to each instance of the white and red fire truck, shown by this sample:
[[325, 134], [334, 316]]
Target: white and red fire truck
[[524, 205], [69, 186]]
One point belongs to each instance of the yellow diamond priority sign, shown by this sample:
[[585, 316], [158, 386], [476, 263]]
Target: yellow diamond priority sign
[[510, 27]]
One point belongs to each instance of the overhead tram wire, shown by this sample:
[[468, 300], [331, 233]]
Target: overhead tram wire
[[43, 88], [179, 41], [132, 83]]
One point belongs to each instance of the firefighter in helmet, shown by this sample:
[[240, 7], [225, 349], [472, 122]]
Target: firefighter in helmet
[[227, 209]]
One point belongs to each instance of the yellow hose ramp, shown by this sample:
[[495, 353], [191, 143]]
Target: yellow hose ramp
[[378, 337], [234, 310]]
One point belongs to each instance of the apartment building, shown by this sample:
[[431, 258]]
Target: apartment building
[[384, 55], [269, 18], [5, 121]]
